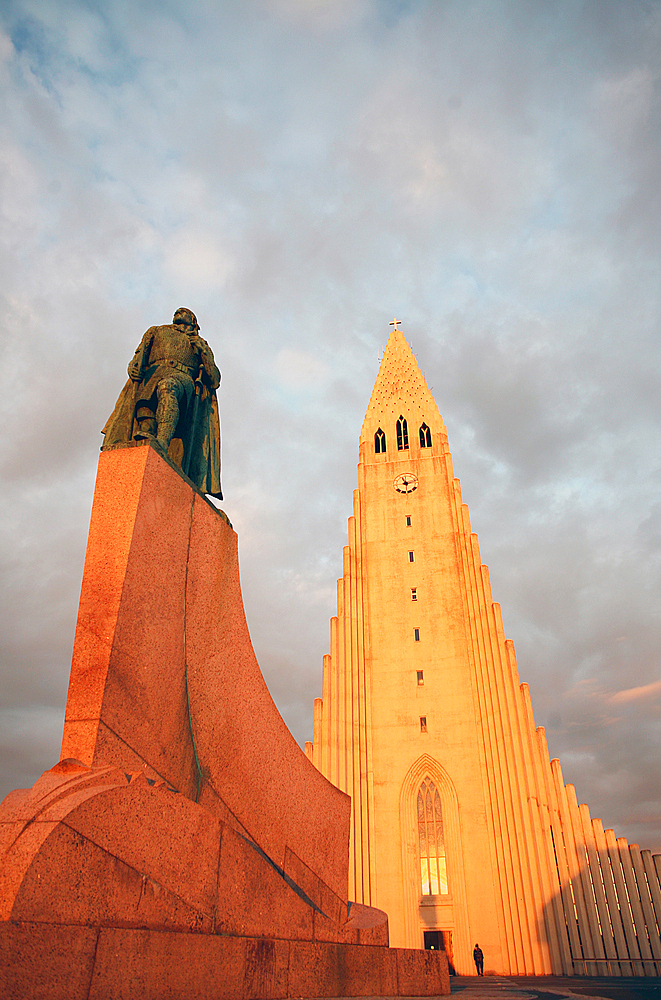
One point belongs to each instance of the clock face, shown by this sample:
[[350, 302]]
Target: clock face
[[406, 483]]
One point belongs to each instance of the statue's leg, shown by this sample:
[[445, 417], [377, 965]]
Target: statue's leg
[[145, 419], [168, 393]]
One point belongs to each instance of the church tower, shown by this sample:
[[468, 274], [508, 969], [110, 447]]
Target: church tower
[[462, 828]]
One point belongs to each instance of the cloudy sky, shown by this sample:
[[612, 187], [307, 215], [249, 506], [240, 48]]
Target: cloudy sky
[[298, 172]]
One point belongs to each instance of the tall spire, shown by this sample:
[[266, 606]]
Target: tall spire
[[400, 384], [424, 723]]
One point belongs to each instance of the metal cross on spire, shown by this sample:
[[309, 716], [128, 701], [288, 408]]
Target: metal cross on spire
[[394, 322]]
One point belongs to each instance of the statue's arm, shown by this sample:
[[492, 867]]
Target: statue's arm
[[206, 357], [141, 357]]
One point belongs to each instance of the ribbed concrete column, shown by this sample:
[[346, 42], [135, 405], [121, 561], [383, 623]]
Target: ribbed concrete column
[[625, 968], [598, 889], [653, 885], [586, 881], [334, 763], [316, 753], [564, 905], [462, 533], [523, 774], [656, 858], [511, 770], [565, 966], [353, 709], [634, 902], [363, 729], [587, 949], [553, 910], [327, 704], [646, 904], [342, 693], [625, 909], [513, 943]]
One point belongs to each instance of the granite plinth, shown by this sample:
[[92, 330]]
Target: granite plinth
[[164, 677], [117, 963], [184, 846]]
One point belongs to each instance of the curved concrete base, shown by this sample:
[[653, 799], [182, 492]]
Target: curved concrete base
[[115, 885]]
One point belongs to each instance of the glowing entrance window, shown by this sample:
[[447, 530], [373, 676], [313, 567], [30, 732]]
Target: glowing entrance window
[[433, 872]]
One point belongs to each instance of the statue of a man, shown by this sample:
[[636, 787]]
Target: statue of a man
[[171, 397]]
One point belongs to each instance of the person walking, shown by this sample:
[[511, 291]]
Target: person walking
[[478, 958]]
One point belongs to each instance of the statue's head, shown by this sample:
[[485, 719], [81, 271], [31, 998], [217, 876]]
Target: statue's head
[[187, 318]]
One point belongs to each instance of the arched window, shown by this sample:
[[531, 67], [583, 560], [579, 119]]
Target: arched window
[[402, 434], [425, 437], [379, 442], [433, 872]]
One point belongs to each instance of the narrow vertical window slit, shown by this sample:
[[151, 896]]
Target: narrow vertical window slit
[[402, 434]]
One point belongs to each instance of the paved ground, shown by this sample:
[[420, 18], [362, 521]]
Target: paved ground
[[553, 988], [548, 988]]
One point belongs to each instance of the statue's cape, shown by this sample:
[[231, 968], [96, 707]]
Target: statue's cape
[[204, 468], [205, 465]]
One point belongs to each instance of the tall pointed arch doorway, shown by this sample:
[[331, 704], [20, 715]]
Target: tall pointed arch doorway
[[432, 862]]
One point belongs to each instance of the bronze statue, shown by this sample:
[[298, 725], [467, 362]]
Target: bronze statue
[[171, 397]]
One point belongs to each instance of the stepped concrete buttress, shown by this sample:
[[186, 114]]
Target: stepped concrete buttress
[[184, 845]]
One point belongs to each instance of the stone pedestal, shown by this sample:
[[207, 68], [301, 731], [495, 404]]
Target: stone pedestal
[[184, 846], [164, 678]]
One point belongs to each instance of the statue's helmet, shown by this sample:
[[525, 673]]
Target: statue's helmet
[[186, 317]]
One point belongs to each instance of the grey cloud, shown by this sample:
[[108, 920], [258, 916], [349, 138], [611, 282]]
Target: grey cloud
[[488, 173]]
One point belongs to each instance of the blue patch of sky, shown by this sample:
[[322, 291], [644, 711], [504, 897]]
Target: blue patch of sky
[[28, 35], [549, 213], [47, 52], [31, 40], [464, 266], [295, 401], [391, 12]]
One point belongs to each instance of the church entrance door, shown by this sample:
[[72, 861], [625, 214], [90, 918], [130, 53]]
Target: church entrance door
[[440, 941]]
